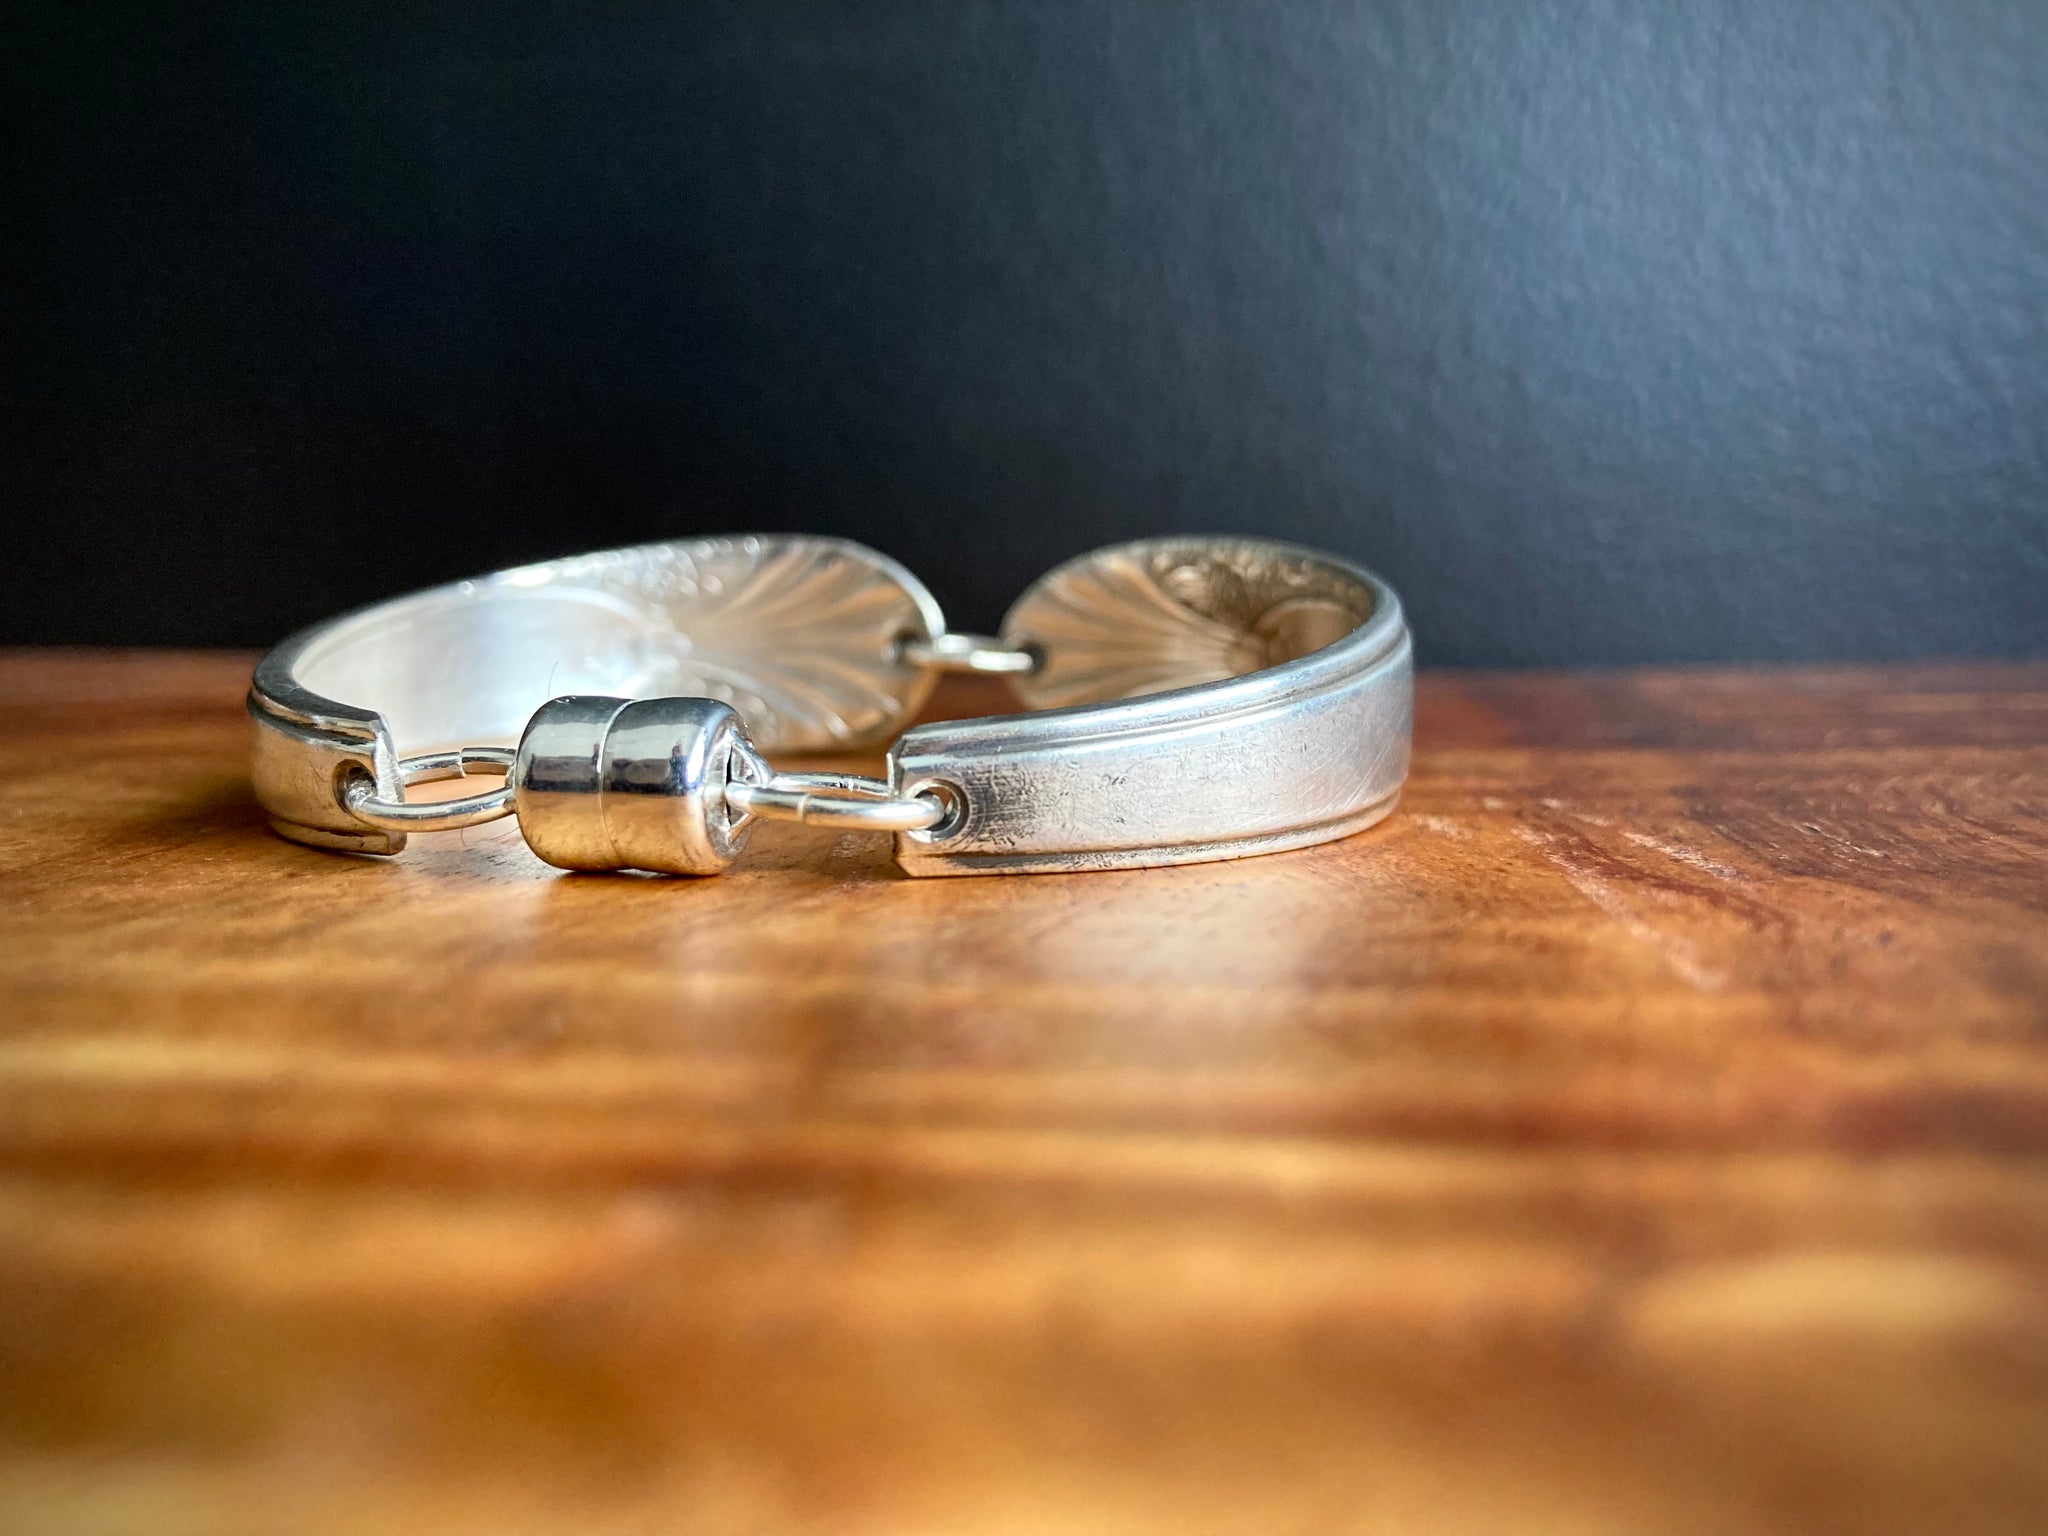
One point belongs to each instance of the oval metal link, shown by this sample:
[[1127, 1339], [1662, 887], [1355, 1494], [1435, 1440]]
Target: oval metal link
[[834, 800], [360, 798], [984, 654]]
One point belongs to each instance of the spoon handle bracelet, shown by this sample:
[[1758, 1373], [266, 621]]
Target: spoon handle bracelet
[[1189, 698]]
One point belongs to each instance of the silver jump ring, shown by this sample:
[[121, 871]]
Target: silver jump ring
[[361, 800], [835, 800], [958, 652]]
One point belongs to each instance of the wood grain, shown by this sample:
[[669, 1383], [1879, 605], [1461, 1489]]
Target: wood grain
[[1644, 1131]]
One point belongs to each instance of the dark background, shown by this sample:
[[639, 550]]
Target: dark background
[[1609, 332]]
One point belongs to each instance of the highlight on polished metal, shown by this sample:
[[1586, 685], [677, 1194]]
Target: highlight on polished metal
[[1191, 698]]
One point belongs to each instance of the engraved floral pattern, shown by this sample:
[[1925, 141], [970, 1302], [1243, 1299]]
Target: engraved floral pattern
[[799, 635], [1173, 613]]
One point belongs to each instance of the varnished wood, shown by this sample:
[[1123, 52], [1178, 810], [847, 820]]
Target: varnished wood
[[1644, 1131]]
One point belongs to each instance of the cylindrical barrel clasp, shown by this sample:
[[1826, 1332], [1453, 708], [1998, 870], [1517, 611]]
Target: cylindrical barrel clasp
[[603, 783]]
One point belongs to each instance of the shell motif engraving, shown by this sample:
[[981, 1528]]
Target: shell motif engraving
[[1174, 613], [799, 635]]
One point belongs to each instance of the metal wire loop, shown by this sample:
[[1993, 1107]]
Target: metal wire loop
[[969, 653], [360, 799], [835, 800]]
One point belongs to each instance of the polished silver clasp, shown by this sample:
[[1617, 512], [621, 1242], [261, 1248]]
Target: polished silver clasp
[[673, 785], [669, 785]]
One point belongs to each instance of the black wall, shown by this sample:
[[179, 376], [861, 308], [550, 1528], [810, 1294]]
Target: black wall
[[1609, 331]]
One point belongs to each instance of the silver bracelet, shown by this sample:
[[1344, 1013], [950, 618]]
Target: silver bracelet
[[1194, 698]]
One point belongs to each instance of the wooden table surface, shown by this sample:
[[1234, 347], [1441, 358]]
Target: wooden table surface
[[1645, 1130]]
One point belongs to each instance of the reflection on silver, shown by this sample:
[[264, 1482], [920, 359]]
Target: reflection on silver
[[1199, 698], [1171, 613], [604, 783]]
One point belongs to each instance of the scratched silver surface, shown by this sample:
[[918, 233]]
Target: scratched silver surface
[[1261, 758]]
